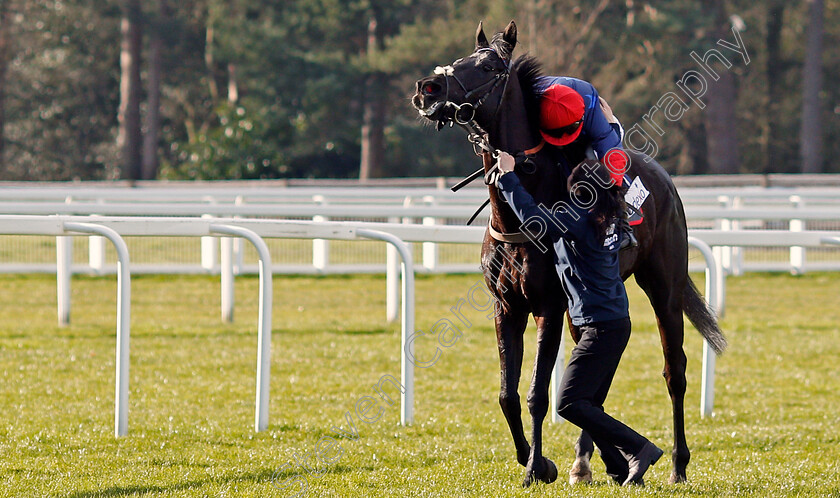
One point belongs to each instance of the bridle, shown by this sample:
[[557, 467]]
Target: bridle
[[464, 114]]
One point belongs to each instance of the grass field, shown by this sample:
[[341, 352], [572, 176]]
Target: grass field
[[774, 433]]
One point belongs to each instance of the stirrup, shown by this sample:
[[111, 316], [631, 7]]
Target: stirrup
[[629, 239]]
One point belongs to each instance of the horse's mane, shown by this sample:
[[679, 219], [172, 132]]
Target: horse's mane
[[529, 70]]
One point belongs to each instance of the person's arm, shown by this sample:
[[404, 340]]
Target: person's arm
[[604, 138], [559, 220], [602, 135]]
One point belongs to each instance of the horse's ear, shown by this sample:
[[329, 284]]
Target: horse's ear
[[510, 34], [480, 37]]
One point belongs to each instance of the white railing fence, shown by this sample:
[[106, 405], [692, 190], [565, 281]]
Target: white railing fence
[[254, 231], [744, 208], [747, 229]]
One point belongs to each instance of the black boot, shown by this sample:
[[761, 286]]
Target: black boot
[[628, 238], [638, 464]]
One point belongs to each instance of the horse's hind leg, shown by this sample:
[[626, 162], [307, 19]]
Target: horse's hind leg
[[665, 290], [549, 333], [615, 462], [581, 470], [510, 327]]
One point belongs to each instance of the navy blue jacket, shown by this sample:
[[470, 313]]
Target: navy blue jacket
[[596, 130], [586, 263]]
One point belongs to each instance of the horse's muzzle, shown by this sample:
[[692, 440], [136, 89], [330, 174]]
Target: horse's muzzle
[[427, 98]]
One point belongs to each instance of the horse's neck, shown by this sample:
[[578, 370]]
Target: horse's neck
[[511, 133], [511, 130]]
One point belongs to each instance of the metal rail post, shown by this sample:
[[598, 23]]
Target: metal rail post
[[797, 253], [123, 319], [392, 283], [407, 328], [713, 272], [264, 320]]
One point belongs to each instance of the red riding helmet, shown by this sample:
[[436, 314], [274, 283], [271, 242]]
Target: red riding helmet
[[561, 115]]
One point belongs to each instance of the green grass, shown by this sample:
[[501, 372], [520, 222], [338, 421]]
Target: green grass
[[774, 432]]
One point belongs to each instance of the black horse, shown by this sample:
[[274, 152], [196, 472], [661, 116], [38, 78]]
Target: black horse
[[495, 99]]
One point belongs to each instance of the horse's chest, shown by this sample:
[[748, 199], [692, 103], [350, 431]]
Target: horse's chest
[[522, 271]]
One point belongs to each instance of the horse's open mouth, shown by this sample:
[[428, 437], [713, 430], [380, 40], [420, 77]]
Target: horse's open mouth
[[432, 112]]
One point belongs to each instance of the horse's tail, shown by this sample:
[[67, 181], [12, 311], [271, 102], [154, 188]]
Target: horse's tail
[[702, 317]]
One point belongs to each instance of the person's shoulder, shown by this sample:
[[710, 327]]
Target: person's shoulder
[[584, 88], [574, 83], [547, 81]]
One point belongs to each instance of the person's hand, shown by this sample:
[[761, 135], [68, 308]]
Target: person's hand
[[506, 162]]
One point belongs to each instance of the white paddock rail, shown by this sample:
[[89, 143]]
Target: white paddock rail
[[228, 194], [370, 210], [254, 231]]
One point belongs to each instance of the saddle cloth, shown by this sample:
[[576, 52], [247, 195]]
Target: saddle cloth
[[635, 197]]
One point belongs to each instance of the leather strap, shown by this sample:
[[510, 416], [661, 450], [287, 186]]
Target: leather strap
[[534, 150], [512, 237]]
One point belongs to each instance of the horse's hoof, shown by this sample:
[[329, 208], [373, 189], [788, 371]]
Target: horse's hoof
[[550, 472], [548, 475], [677, 478], [580, 473]]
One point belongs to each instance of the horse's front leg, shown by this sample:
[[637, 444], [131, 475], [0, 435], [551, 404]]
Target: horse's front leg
[[549, 330], [510, 327]]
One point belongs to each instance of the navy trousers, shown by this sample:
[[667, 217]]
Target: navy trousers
[[586, 382]]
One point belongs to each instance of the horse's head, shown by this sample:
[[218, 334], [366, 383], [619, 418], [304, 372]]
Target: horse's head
[[495, 100], [471, 88]]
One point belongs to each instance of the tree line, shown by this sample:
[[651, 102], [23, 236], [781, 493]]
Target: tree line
[[235, 89]]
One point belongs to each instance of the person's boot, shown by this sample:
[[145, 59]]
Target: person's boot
[[639, 463], [628, 238]]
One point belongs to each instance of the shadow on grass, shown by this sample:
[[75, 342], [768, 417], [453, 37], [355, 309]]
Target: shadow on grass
[[258, 477], [365, 331], [336, 330], [263, 475]]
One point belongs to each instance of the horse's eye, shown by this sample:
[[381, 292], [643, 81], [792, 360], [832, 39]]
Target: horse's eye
[[487, 67]]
